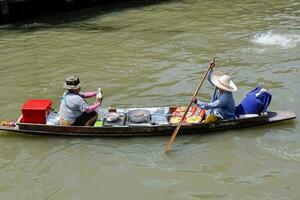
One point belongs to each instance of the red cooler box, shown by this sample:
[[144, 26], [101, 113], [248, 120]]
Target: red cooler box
[[36, 111]]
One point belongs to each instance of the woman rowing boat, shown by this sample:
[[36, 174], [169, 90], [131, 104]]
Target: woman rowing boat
[[222, 103], [74, 110]]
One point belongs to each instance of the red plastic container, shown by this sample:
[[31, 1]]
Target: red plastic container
[[36, 111]]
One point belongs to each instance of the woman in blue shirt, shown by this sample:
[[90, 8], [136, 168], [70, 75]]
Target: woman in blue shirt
[[74, 110], [222, 102]]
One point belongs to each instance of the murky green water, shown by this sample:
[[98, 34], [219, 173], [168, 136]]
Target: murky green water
[[149, 56]]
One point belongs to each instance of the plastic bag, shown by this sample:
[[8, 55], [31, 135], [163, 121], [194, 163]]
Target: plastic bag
[[255, 102], [53, 119]]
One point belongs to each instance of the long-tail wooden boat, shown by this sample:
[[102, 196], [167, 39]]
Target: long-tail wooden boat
[[148, 129]]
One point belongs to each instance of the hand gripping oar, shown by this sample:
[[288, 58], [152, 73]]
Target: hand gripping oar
[[169, 144]]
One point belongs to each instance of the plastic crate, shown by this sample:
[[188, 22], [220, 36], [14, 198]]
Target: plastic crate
[[36, 111]]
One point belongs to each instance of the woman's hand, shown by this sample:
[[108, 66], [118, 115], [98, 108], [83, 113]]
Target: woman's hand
[[99, 99], [194, 100], [99, 95], [212, 64]]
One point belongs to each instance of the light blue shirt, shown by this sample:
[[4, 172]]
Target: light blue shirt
[[72, 106], [222, 103]]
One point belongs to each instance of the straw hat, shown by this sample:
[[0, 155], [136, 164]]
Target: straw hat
[[72, 83], [223, 82]]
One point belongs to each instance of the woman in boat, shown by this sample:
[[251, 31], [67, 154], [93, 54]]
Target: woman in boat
[[74, 110], [222, 102]]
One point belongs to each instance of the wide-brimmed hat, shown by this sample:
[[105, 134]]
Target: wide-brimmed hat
[[223, 81], [72, 83]]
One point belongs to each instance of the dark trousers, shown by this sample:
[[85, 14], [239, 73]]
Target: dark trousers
[[83, 118]]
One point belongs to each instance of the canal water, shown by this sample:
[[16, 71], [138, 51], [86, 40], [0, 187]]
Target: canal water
[[154, 55]]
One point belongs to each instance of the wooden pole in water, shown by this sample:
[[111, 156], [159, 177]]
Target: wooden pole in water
[[4, 11], [68, 4], [97, 2]]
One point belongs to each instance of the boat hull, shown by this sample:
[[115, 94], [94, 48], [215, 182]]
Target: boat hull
[[151, 130]]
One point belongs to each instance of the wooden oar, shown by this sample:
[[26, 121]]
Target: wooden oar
[[169, 144]]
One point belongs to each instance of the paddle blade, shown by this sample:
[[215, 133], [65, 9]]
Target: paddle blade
[[168, 146]]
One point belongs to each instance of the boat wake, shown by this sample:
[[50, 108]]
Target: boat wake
[[283, 40], [280, 150]]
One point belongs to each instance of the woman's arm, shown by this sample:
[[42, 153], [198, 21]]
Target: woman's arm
[[218, 103], [209, 76], [87, 94], [93, 107]]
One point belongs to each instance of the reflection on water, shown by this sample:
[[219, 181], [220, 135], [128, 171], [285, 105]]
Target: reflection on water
[[154, 56]]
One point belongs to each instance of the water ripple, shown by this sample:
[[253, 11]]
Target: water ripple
[[281, 144]]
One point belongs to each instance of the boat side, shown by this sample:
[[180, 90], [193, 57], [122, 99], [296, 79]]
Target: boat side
[[278, 116], [151, 130], [138, 130]]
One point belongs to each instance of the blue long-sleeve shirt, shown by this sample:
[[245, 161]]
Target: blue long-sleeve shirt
[[222, 103]]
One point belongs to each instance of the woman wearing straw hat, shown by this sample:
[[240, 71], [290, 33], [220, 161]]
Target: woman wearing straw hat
[[222, 102], [74, 110]]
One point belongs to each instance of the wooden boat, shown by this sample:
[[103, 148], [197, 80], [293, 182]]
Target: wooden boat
[[147, 129]]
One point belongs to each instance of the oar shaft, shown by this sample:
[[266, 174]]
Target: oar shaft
[[169, 144], [202, 81]]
